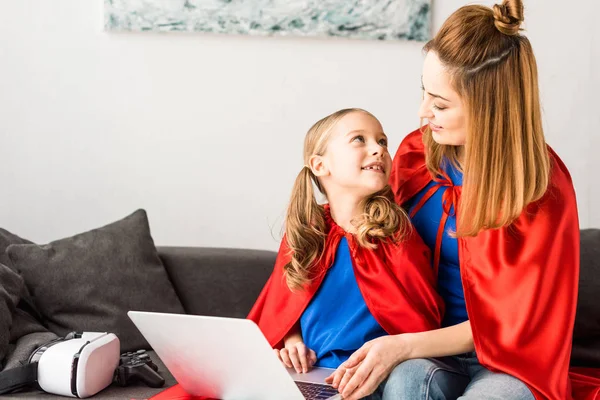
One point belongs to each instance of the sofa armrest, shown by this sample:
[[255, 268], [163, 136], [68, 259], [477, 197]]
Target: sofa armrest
[[217, 281]]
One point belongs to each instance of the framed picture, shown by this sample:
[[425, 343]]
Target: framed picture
[[360, 19]]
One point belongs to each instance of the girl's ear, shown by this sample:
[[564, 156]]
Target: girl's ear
[[318, 166]]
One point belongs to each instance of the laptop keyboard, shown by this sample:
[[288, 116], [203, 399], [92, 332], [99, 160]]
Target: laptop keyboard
[[315, 391]]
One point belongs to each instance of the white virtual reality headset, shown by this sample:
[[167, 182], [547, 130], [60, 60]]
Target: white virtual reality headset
[[78, 365]]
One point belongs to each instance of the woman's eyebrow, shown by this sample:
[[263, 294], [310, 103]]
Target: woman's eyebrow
[[432, 94]]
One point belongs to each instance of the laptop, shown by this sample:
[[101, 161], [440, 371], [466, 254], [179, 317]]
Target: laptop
[[226, 358]]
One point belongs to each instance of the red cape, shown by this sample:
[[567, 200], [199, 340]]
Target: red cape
[[520, 283], [176, 392], [396, 281]]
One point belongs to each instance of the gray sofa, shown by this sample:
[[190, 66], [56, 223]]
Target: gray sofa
[[225, 282], [208, 281]]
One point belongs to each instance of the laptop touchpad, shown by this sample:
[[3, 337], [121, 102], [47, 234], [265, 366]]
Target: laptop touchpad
[[316, 375]]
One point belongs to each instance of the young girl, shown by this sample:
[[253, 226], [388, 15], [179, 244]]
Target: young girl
[[354, 269]]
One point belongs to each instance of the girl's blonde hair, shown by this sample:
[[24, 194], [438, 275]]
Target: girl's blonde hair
[[493, 69], [305, 225]]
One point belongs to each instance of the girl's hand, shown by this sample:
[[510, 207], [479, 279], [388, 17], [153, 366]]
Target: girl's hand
[[363, 372], [296, 355]]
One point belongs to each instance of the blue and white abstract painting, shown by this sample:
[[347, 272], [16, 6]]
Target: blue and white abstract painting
[[362, 19]]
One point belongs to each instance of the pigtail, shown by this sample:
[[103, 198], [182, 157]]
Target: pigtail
[[381, 219], [304, 229]]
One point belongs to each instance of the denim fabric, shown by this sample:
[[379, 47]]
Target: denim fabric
[[458, 377]]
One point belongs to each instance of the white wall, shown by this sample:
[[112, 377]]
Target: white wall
[[205, 132]]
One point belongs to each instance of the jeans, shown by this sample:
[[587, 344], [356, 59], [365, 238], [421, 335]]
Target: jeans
[[458, 377]]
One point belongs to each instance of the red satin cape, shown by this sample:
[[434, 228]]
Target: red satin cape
[[396, 281], [520, 282]]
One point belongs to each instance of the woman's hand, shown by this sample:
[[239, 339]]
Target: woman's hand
[[298, 356], [363, 372]]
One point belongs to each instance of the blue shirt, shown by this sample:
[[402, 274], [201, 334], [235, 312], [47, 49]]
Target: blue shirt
[[337, 321], [427, 221]]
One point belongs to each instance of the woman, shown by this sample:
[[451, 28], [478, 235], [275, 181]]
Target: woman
[[498, 209]]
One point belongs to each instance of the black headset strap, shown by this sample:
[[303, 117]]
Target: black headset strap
[[18, 377]]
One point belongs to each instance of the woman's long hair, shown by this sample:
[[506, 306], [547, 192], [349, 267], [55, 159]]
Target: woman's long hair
[[493, 69], [305, 222]]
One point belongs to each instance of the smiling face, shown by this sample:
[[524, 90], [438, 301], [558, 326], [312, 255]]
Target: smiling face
[[442, 107], [356, 159]]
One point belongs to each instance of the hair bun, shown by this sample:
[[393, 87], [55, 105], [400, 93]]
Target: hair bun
[[508, 16]]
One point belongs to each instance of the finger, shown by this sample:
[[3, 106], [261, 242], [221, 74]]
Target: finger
[[360, 376], [356, 357], [302, 356], [312, 357], [285, 357], [276, 351], [293, 352], [346, 378], [329, 379], [339, 374], [334, 378], [368, 387]]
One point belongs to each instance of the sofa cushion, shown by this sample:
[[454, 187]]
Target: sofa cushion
[[89, 281], [586, 334], [6, 239], [11, 289]]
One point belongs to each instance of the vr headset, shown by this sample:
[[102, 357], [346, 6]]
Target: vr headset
[[78, 365]]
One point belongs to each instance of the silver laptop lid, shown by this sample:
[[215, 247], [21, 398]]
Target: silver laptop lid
[[224, 358]]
